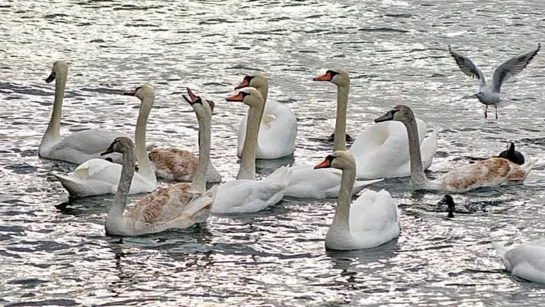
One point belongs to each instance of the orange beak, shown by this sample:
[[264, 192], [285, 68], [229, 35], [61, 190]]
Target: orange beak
[[192, 95], [325, 77], [243, 83], [235, 97], [324, 164]]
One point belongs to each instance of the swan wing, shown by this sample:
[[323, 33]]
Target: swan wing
[[277, 132], [526, 261], [486, 173], [428, 150]]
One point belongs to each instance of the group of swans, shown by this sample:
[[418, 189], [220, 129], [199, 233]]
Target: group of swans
[[395, 146]]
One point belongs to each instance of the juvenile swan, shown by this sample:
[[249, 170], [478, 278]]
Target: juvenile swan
[[485, 173]]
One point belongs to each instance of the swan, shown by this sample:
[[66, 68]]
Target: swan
[[381, 150], [525, 261], [310, 183], [155, 212], [278, 126], [245, 194], [373, 218], [77, 147], [485, 173], [98, 177], [179, 164]]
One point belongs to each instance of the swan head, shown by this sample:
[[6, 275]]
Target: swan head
[[449, 201], [249, 96], [257, 80], [120, 144], [141, 92], [59, 68], [197, 103], [339, 159], [401, 113], [336, 76]]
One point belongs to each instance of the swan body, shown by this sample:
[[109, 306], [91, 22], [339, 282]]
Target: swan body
[[307, 182], [278, 127], [98, 177], [525, 261], [179, 165], [370, 221], [485, 173], [245, 194], [156, 212], [382, 150], [77, 147]]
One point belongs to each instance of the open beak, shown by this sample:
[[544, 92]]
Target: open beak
[[386, 117], [324, 164], [243, 83], [325, 77], [192, 97], [235, 97], [51, 77]]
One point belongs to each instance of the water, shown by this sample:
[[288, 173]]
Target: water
[[55, 252]]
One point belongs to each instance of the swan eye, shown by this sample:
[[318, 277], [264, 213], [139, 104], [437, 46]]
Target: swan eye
[[332, 73]]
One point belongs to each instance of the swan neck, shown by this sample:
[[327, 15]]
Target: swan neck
[[54, 126], [342, 212], [247, 165], [199, 180], [115, 215], [264, 91], [418, 178], [144, 165], [340, 122]]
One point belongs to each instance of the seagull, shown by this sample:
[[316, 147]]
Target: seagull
[[489, 94]]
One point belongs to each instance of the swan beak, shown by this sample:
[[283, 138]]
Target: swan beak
[[244, 83], [324, 164], [51, 77], [386, 117], [109, 150], [129, 93], [191, 94], [193, 99], [325, 77], [235, 97]]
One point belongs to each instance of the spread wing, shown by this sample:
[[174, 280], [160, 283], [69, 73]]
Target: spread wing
[[512, 67], [467, 66]]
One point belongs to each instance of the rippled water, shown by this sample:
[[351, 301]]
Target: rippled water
[[54, 251]]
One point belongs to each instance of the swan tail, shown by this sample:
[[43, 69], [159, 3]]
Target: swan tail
[[78, 187], [520, 173], [362, 184], [200, 207]]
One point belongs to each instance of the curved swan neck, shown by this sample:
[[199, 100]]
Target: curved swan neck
[[418, 178], [340, 122], [115, 215], [342, 212], [144, 165], [247, 165], [54, 126], [199, 179]]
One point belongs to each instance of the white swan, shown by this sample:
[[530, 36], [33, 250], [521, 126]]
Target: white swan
[[526, 261], [373, 218], [245, 194], [156, 212], [485, 173], [98, 177], [307, 182], [381, 150], [278, 126], [77, 147], [180, 164]]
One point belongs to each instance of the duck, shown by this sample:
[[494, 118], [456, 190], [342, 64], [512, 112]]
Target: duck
[[484, 173], [100, 177], [246, 194], [278, 128], [77, 147], [177, 164], [370, 221], [489, 94], [381, 150], [310, 183], [512, 155], [156, 212], [525, 261]]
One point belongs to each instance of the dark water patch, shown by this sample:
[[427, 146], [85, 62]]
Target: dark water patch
[[22, 168], [386, 30], [398, 15], [50, 302]]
